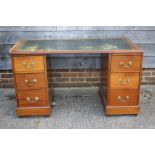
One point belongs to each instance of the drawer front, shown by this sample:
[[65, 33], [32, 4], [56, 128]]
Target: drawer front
[[125, 63], [28, 64], [30, 81], [124, 80], [123, 97], [32, 98]]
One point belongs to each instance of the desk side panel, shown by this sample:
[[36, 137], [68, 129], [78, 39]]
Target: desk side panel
[[104, 78]]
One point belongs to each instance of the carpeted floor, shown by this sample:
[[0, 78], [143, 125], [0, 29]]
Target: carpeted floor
[[78, 108]]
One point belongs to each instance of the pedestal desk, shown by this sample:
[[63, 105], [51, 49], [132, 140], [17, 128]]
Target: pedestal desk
[[121, 68]]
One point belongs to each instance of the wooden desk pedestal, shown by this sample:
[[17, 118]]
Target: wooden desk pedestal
[[120, 94], [30, 74], [120, 75]]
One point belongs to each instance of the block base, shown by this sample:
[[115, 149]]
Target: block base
[[33, 111]]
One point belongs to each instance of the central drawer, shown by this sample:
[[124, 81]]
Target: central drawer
[[28, 64], [30, 81], [124, 80], [32, 98]]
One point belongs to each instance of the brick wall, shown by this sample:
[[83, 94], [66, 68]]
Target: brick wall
[[148, 76], [73, 77], [6, 79]]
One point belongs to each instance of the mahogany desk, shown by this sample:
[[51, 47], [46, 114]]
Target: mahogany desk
[[121, 70]]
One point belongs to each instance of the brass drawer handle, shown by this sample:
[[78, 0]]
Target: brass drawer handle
[[124, 82], [126, 65], [30, 83], [123, 99], [28, 66], [36, 99]]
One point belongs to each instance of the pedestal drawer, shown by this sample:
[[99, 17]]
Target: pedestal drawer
[[123, 97], [29, 81], [32, 98], [28, 64], [124, 80], [125, 63]]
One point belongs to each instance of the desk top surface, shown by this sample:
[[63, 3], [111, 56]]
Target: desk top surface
[[73, 46]]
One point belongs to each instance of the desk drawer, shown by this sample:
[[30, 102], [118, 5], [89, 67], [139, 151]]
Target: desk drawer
[[125, 63], [124, 80], [123, 97], [28, 64], [33, 98], [29, 81]]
